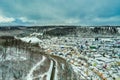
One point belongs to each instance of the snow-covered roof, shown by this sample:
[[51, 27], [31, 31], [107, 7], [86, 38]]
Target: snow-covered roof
[[106, 39]]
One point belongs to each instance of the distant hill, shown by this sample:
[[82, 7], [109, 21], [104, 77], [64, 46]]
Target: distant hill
[[64, 30]]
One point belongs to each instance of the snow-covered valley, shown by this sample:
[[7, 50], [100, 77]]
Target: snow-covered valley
[[76, 56]]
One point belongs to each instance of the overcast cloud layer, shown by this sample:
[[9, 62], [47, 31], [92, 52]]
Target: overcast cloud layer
[[78, 12]]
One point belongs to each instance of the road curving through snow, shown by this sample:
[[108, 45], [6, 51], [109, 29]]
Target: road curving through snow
[[30, 74]]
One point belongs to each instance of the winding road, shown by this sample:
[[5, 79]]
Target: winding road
[[30, 74], [51, 74]]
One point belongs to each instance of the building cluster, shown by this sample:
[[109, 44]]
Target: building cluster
[[91, 58]]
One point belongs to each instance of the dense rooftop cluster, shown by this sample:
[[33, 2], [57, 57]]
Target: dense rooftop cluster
[[90, 58]]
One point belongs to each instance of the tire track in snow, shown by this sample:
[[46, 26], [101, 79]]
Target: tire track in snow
[[54, 71], [30, 74], [48, 73]]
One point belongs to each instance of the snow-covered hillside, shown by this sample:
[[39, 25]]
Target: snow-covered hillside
[[19, 62]]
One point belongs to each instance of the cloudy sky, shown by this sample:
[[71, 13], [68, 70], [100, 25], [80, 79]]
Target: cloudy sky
[[70, 12]]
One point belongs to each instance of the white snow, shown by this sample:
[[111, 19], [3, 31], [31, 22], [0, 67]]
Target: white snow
[[36, 34], [31, 39], [20, 58], [46, 73], [118, 30], [63, 66], [56, 70], [14, 55], [30, 74], [49, 71], [106, 39]]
